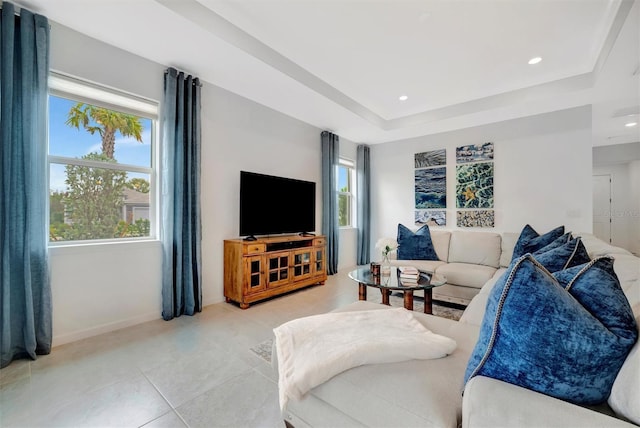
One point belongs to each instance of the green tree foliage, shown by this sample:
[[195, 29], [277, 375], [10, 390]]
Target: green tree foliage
[[106, 123], [94, 200], [92, 206], [343, 210], [56, 215], [139, 185], [140, 227]]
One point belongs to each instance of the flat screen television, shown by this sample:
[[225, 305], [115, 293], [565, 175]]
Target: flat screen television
[[271, 205]]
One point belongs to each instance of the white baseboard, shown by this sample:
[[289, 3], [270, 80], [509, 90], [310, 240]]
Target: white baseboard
[[105, 328]]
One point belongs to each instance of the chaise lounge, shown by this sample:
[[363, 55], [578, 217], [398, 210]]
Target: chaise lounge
[[434, 393]]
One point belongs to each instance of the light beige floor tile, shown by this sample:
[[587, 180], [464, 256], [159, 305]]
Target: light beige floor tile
[[188, 377], [201, 363], [18, 369], [130, 403], [245, 401], [168, 420]]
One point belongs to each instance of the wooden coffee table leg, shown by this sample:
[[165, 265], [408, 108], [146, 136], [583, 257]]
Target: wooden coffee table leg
[[428, 301], [362, 291], [408, 300], [385, 296]]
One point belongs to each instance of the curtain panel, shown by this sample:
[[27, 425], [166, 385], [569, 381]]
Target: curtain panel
[[25, 290], [330, 226], [181, 224], [363, 192]]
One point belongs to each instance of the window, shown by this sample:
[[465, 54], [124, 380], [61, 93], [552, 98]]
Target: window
[[346, 184], [101, 163]]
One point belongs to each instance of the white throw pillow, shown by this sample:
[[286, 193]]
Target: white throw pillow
[[625, 393]]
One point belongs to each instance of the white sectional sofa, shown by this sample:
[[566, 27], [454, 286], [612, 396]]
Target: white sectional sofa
[[429, 393], [467, 260]]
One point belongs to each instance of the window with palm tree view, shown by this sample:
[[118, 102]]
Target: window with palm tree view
[[100, 172]]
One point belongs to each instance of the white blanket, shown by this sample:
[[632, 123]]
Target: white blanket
[[313, 349]]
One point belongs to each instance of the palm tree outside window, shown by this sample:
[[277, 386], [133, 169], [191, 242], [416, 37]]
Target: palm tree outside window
[[101, 163]]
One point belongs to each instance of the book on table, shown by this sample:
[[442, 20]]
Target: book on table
[[409, 273]]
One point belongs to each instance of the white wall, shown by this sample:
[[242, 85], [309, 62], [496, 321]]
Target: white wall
[[634, 180], [101, 288], [542, 174], [98, 288]]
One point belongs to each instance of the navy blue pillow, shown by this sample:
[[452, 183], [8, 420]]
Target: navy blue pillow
[[415, 246], [567, 339], [555, 243], [530, 240], [564, 256]]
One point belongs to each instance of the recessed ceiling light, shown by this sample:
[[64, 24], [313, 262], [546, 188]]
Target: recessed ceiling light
[[403, 98], [630, 124], [535, 60]]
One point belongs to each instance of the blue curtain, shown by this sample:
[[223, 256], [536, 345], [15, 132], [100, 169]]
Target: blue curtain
[[330, 227], [181, 229], [363, 192], [25, 291]]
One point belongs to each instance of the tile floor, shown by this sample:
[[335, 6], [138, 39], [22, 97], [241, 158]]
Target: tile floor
[[192, 371]]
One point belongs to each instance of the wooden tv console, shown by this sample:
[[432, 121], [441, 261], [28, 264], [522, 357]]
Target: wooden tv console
[[267, 267]]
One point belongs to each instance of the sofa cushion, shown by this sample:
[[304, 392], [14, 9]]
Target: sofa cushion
[[530, 240], [466, 274], [597, 247], [509, 240], [562, 257], [479, 248], [440, 240], [474, 312], [567, 343], [492, 403], [627, 268], [625, 393], [415, 246]]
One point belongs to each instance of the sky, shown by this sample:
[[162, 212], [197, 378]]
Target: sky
[[65, 140]]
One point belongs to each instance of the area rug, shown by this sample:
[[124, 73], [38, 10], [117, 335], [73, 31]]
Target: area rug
[[440, 309]]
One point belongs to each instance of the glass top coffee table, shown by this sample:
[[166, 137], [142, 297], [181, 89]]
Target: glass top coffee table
[[388, 283]]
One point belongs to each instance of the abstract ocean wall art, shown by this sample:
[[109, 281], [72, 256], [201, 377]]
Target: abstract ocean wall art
[[475, 218], [432, 158], [474, 153], [474, 185], [431, 217], [431, 188]]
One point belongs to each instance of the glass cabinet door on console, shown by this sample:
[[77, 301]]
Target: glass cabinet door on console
[[319, 262], [301, 264], [278, 269], [255, 278]]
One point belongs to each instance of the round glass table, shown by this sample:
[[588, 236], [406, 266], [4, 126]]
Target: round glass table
[[427, 281]]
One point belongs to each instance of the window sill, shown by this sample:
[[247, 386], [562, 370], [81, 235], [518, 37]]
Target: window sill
[[104, 246]]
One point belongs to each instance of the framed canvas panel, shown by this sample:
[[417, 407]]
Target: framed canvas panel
[[474, 185], [431, 188], [431, 217], [432, 158], [474, 153], [475, 218]]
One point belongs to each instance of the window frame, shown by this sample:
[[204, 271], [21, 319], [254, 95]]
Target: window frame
[[349, 165], [84, 91]]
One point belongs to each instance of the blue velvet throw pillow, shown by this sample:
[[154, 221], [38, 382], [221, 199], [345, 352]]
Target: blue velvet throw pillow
[[415, 246], [530, 240], [563, 256], [566, 338]]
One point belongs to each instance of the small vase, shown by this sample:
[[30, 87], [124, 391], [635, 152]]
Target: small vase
[[385, 265]]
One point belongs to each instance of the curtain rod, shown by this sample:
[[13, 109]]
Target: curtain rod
[[185, 73], [18, 9]]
